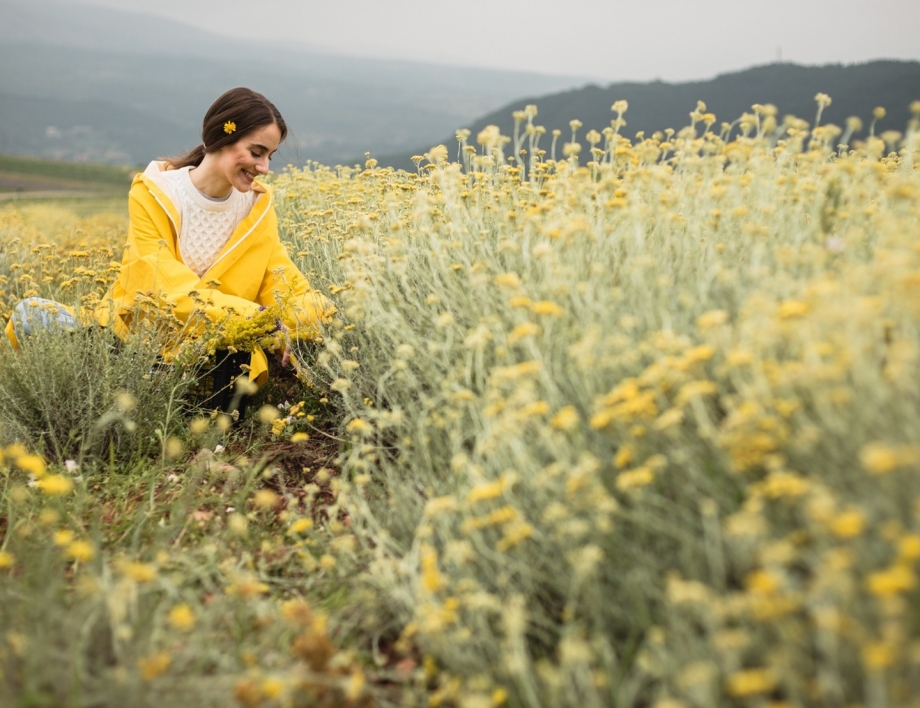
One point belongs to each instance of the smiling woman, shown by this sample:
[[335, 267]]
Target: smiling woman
[[203, 238]]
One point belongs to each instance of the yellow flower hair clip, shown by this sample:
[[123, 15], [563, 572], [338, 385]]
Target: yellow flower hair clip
[[229, 127]]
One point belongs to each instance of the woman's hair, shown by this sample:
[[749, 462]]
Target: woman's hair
[[242, 107]]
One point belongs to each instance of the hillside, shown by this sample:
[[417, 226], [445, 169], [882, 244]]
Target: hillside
[[855, 90], [89, 83]]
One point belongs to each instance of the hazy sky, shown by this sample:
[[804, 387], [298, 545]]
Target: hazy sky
[[608, 40]]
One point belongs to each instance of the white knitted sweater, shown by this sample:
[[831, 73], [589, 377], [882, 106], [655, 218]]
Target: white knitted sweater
[[207, 223]]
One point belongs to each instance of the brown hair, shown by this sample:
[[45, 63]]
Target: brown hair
[[243, 107]]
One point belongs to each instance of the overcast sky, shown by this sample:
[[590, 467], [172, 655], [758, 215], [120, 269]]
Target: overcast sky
[[604, 39]]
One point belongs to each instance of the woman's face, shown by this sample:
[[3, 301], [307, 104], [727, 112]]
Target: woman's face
[[248, 157]]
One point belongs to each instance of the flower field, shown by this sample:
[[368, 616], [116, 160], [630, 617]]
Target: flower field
[[636, 425]]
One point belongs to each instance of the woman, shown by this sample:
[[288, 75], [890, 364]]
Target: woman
[[203, 236]]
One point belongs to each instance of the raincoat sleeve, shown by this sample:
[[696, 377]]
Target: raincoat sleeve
[[152, 264], [303, 308]]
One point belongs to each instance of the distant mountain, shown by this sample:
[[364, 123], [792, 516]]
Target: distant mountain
[[855, 89], [152, 79]]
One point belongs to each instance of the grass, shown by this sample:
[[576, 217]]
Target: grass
[[633, 427], [88, 176]]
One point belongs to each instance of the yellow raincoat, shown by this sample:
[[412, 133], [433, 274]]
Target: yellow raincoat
[[252, 270]]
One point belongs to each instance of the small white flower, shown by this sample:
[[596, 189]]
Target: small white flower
[[71, 466], [231, 509], [171, 478], [219, 448]]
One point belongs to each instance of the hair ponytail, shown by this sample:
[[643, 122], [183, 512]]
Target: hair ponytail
[[233, 115], [192, 158]]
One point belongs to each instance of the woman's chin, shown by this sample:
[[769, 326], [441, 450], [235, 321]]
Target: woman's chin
[[243, 183]]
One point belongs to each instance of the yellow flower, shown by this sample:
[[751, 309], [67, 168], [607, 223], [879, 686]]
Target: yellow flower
[[432, 580], [848, 524], [635, 479], [514, 536], [247, 588], [62, 537], [565, 418], [272, 687], [6, 559], [878, 655], [56, 485], [878, 458], [182, 617], [268, 414], [265, 499], [300, 526], [694, 389], [229, 127], [909, 547], [33, 464], [892, 581], [359, 425], [154, 665], [484, 491], [750, 681], [139, 572], [80, 551], [792, 309], [624, 456], [547, 307]]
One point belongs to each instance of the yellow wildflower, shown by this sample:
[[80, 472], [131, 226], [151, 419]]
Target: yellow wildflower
[[33, 464], [182, 617], [565, 418], [791, 309], [693, 389], [547, 307], [484, 491], [635, 479], [80, 550], [138, 572], [246, 588], [268, 414], [712, 318], [431, 578], [265, 499], [879, 458], [272, 687], [62, 537], [154, 665], [360, 426], [848, 524], [749, 682], [56, 485], [878, 655], [909, 547], [894, 580], [300, 526]]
